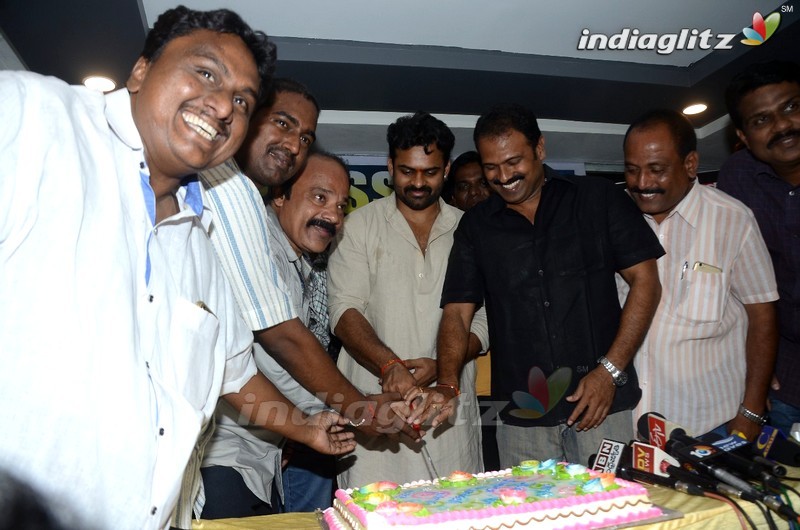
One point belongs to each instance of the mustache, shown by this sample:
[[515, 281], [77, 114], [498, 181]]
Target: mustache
[[325, 225], [792, 133], [409, 189], [285, 152], [647, 190], [512, 180]]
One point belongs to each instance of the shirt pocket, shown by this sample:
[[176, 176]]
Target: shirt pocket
[[703, 296], [192, 339]]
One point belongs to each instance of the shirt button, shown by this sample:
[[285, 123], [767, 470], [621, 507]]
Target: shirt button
[[791, 193], [161, 431], [541, 272], [155, 230], [150, 298], [421, 275], [153, 510], [546, 303]]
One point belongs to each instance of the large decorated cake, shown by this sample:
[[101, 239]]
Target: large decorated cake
[[541, 495]]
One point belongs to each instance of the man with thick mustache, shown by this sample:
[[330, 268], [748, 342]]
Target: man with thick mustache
[[302, 219], [386, 275], [275, 149], [120, 332], [541, 254], [764, 105], [707, 359]]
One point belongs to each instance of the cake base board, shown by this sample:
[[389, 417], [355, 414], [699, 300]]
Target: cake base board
[[667, 514]]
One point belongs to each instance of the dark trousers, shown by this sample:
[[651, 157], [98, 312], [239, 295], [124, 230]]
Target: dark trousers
[[228, 496]]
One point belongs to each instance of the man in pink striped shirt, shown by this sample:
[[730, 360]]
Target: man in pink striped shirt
[[708, 357]]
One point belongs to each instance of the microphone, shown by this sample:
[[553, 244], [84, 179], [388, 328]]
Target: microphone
[[654, 429], [658, 480], [703, 457], [773, 444], [738, 446], [610, 455], [651, 459], [745, 466]]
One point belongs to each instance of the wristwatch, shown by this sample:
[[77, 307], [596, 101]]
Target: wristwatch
[[619, 377], [752, 416]]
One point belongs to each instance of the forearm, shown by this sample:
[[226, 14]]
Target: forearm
[[299, 352], [760, 351], [474, 348], [261, 404], [362, 343], [454, 343], [637, 313]]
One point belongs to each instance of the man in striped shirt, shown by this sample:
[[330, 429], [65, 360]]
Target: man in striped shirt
[[708, 357]]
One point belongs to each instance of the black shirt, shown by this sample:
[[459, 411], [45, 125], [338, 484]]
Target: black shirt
[[549, 289]]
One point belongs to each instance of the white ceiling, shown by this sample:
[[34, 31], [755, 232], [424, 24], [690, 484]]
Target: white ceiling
[[534, 27]]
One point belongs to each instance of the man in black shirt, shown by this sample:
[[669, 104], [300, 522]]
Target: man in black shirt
[[541, 253]]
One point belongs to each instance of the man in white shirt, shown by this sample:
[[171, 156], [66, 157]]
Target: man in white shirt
[[708, 356], [385, 281], [275, 149], [120, 331]]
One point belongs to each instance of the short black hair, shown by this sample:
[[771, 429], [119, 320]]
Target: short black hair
[[285, 189], [281, 85], [467, 157], [181, 21], [502, 119], [679, 126], [754, 77], [420, 129]]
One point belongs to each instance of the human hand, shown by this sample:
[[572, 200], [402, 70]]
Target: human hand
[[594, 396], [326, 434], [740, 424], [423, 369], [431, 404], [385, 414], [397, 378]]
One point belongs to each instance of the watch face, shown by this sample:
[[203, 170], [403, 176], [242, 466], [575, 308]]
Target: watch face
[[621, 379]]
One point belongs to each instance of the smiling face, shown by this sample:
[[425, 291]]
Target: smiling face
[[656, 175], [417, 176], [513, 167], [279, 139], [314, 211], [193, 103], [771, 125], [469, 186]]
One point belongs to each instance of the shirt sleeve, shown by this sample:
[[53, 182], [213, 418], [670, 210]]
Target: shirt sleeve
[[241, 241], [463, 281], [348, 270], [752, 276], [632, 240]]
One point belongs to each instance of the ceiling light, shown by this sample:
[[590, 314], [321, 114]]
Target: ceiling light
[[697, 108], [100, 83]]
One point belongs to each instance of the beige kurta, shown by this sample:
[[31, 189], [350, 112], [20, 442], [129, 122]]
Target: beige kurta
[[378, 269]]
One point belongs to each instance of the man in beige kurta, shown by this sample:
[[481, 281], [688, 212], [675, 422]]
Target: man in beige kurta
[[385, 284]]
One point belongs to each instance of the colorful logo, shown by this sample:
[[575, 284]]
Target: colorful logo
[[545, 393], [762, 29]]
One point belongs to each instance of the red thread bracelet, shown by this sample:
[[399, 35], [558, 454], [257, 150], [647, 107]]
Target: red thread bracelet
[[389, 363]]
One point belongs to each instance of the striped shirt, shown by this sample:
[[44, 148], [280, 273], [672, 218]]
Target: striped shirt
[[241, 240], [691, 364]]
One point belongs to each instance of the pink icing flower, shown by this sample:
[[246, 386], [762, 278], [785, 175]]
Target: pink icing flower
[[512, 495], [387, 508], [409, 507], [383, 485], [607, 479], [460, 476]]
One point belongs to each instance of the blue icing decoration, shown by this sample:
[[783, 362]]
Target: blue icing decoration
[[593, 486], [576, 469]]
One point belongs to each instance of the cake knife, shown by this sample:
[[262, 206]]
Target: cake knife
[[427, 456]]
